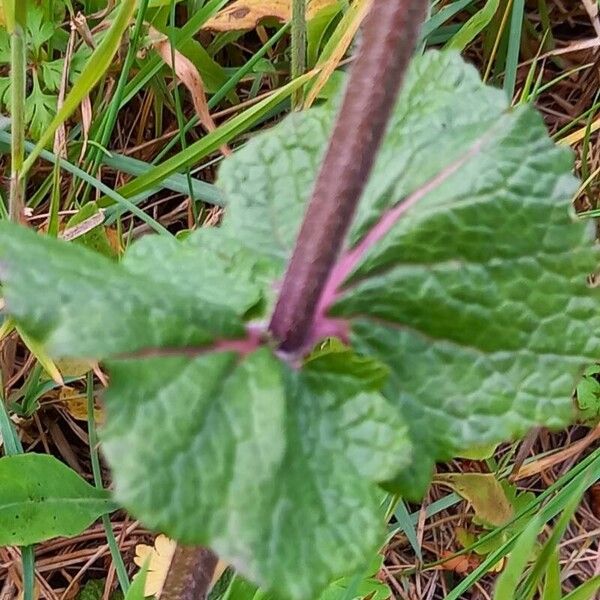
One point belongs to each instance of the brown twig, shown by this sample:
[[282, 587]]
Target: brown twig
[[389, 37]]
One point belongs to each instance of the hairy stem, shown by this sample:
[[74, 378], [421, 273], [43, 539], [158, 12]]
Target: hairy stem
[[190, 574], [18, 65], [389, 36], [298, 46]]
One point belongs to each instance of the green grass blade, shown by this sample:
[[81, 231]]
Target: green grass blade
[[559, 494], [408, 527], [110, 118], [28, 563], [227, 87], [298, 46], [507, 584], [18, 74], [210, 142], [136, 589], [98, 63], [12, 446], [586, 591], [552, 589], [514, 45], [474, 26], [109, 192], [155, 64], [441, 16], [97, 472], [545, 556], [177, 182]]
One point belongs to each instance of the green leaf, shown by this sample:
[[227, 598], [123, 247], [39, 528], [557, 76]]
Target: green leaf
[[257, 455], [95, 68], [521, 554], [94, 590], [39, 109], [588, 396], [82, 304], [41, 498], [477, 298], [470, 320], [484, 492], [51, 72], [40, 29]]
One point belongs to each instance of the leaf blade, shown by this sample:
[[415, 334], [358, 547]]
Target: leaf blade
[[41, 498]]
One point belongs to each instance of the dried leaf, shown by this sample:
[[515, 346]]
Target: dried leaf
[[247, 14], [86, 124], [188, 75], [484, 492], [462, 564], [160, 556], [76, 404]]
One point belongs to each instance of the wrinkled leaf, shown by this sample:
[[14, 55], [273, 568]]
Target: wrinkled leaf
[[41, 498], [477, 298], [470, 320], [305, 453], [93, 307]]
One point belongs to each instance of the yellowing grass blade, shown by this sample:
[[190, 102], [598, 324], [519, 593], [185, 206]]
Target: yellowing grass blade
[[7, 14], [95, 68], [577, 136], [43, 358], [336, 48]]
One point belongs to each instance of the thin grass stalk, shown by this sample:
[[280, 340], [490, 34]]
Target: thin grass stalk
[[97, 472], [298, 47], [180, 115], [18, 66], [514, 45], [110, 118]]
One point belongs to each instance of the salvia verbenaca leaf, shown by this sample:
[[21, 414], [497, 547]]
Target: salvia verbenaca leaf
[[466, 309]]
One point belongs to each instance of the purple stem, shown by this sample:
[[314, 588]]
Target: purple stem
[[389, 36], [351, 259]]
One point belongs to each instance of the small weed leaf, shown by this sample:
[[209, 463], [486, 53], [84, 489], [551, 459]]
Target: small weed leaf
[[41, 498], [588, 396], [469, 319], [484, 492]]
